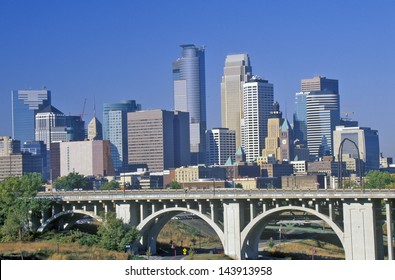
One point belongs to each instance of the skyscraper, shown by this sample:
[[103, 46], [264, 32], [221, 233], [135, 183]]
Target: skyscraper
[[95, 129], [237, 71], [257, 104], [367, 141], [300, 117], [50, 126], [272, 141], [221, 144], [317, 114], [115, 129], [190, 96], [159, 139], [25, 105]]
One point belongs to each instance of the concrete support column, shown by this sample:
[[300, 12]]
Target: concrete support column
[[264, 207], [213, 211], [330, 209], [95, 209], [232, 229], [252, 211], [359, 231], [105, 206], [317, 206], [134, 213], [122, 211], [388, 214], [84, 207], [153, 207], [143, 211]]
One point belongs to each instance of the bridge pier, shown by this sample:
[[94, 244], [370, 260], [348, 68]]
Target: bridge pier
[[389, 221], [360, 242], [232, 229]]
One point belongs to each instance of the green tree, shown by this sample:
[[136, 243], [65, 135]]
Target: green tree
[[114, 234], [378, 180], [18, 205], [71, 182], [238, 186], [174, 185], [112, 185]]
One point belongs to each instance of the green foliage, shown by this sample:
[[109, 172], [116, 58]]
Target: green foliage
[[76, 236], [112, 185], [114, 234], [71, 182], [238, 186], [270, 243], [379, 180], [18, 205], [174, 185]]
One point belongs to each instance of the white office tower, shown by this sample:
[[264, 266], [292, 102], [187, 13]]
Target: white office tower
[[237, 71], [257, 104], [221, 144]]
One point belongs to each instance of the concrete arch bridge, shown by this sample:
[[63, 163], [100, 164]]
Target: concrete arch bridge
[[238, 216]]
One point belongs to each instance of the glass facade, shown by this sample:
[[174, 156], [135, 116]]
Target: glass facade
[[25, 105], [190, 96], [115, 130]]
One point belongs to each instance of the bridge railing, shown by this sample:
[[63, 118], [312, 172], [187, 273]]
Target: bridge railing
[[218, 192]]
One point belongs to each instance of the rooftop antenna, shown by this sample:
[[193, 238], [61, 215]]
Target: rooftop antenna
[[94, 106]]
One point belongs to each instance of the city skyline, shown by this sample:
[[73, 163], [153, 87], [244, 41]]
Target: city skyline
[[110, 53]]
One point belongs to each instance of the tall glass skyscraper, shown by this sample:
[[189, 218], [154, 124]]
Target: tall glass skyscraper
[[25, 105], [321, 98], [300, 117], [237, 71], [115, 129], [190, 96]]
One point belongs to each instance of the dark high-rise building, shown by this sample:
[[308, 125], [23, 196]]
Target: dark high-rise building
[[38, 149], [190, 96], [25, 105], [75, 128], [159, 139]]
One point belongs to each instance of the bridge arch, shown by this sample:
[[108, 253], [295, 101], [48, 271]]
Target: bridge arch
[[151, 226], [251, 233], [77, 213]]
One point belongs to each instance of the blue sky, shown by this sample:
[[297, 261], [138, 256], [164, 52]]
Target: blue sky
[[116, 50]]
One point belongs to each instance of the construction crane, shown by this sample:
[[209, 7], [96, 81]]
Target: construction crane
[[83, 109]]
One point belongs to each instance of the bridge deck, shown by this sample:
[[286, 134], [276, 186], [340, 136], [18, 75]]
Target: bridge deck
[[216, 194]]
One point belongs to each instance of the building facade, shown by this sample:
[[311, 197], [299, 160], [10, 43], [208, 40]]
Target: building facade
[[115, 129], [237, 71], [221, 144], [88, 158], [322, 114], [367, 141], [50, 126], [272, 140], [95, 129], [158, 138], [25, 105], [190, 96], [257, 103]]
